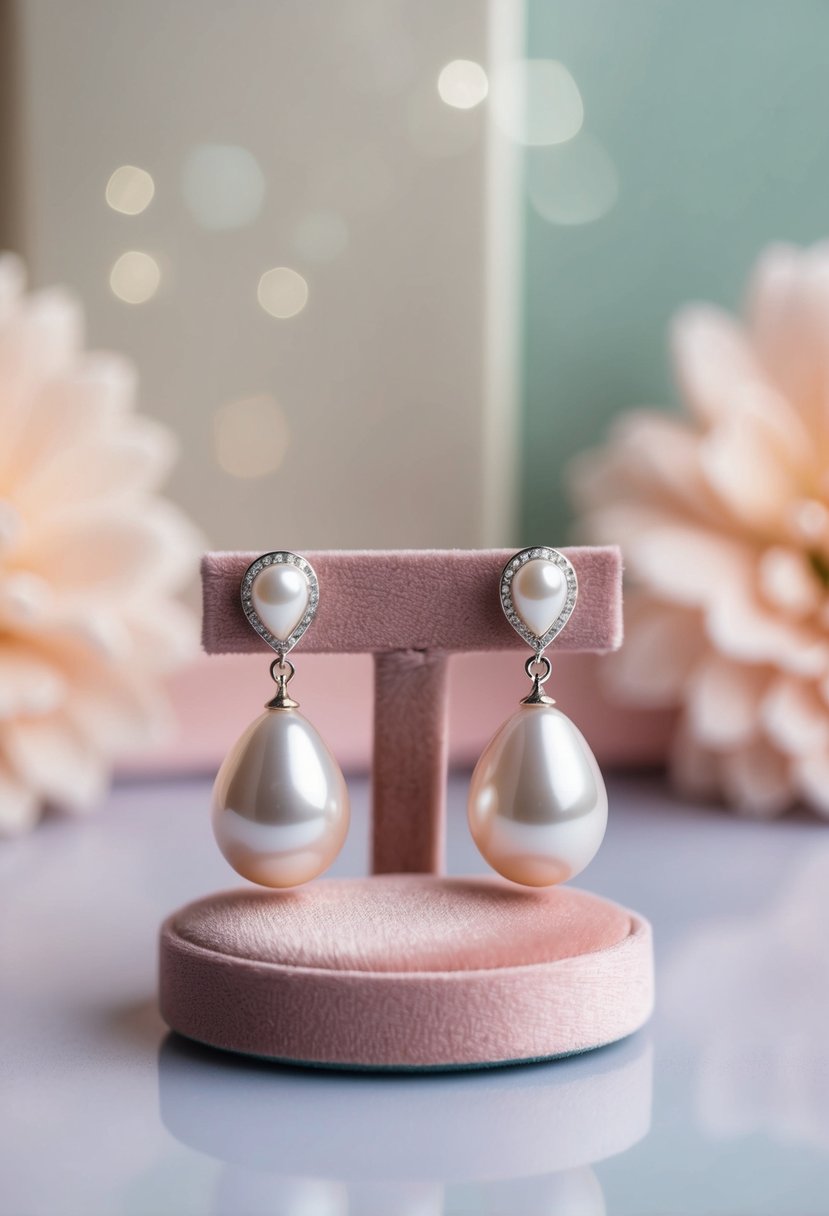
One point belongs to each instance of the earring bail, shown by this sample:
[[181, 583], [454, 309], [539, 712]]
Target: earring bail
[[537, 696], [282, 699]]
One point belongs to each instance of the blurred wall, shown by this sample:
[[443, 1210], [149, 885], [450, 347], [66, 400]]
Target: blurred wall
[[432, 241], [10, 226], [704, 137], [361, 392]]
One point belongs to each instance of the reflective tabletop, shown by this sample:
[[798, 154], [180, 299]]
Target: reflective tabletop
[[719, 1107]]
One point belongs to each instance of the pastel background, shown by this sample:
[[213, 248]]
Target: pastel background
[[386, 269], [709, 118], [478, 309], [303, 270]]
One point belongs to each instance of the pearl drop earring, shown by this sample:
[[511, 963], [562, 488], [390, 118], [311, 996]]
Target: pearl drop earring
[[537, 801], [280, 802]]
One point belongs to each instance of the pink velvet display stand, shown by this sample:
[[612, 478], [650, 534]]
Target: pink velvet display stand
[[408, 969]]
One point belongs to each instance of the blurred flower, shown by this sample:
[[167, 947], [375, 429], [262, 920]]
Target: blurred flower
[[723, 518], [90, 557]]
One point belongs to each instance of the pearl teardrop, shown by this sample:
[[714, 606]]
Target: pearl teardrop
[[539, 591], [280, 802], [537, 801], [280, 595]]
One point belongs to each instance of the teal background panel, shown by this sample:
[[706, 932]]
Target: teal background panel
[[716, 118]]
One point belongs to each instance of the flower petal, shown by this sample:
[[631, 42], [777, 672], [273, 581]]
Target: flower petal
[[788, 306], [86, 401], [26, 601], [120, 714], [12, 286], [132, 459], [19, 806], [597, 477], [29, 685], [11, 526], [787, 582], [126, 553], [168, 634], [96, 625], [758, 461], [48, 757], [713, 360], [686, 564], [48, 332], [39, 342], [662, 645], [742, 629], [622, 524], [723, 702], [795, 718], [811, 775], [758, 780], [650, 458]]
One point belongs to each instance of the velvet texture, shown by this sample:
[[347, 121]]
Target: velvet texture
[[410, 762], [429, 599], [406, 971]]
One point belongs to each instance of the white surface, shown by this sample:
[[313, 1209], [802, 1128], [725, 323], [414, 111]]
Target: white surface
[[102, 1113]]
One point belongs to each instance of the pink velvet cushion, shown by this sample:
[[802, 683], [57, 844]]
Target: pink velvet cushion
[[406, 971], [405, 923]]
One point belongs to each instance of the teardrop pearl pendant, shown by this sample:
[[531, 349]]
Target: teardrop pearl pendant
[[280, 802], [537, 800]]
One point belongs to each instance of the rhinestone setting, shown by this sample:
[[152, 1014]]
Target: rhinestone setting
[[280, 557], [538, 643]]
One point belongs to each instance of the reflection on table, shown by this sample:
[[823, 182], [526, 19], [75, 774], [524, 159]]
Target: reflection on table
[[320, 1143]]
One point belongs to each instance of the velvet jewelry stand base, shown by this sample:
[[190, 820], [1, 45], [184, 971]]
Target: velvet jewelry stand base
[[405, 969], [406, 972]]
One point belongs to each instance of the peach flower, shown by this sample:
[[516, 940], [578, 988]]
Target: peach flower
[[723, 516], [90, 557]]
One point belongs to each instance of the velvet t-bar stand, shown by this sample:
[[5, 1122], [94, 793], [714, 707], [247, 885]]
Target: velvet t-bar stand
[[408, 969]]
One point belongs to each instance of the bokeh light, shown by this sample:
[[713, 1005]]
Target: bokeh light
[[536, 101], [574, 183], [250, 437], [130, 190], [320, 236], [463, 84], [223, 186], [282, 292], [135, 277]]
